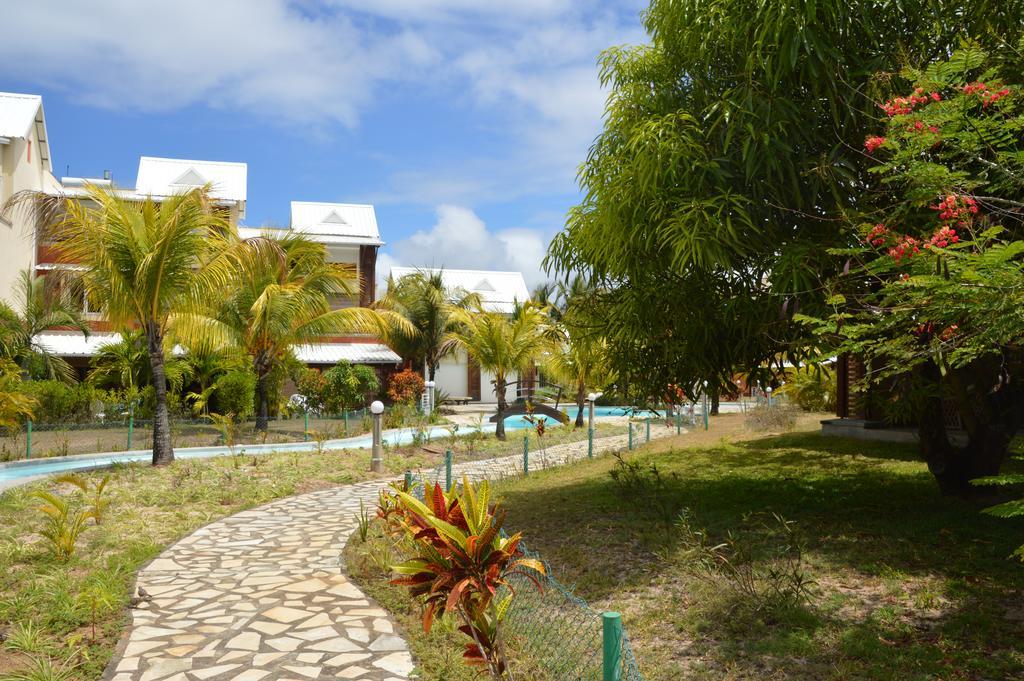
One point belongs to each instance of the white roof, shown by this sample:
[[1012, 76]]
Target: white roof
[[75, 344], [499, 291], [168, 176], [357, 353], [18, 113], [336, 222]]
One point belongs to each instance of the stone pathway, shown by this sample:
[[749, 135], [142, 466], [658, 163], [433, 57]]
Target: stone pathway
[[261, 595]]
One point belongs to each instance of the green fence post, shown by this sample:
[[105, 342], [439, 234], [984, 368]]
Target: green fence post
[[131, 424], [648, 423], [305, 427], [346, 420], [408, 481], [612, 655], [590, 442], [28, 439], [526, 455], [630, 436], [448, 469]]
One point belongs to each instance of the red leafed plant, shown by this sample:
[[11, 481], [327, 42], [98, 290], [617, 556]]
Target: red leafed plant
[[461, 562]]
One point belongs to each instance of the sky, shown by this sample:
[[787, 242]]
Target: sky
[[462, 121]]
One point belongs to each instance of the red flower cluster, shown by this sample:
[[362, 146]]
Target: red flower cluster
[[943, 237], [956, 209], [949, 332], [919, 126], [873, 142], [903, 105], [906, 247], [987, 94], [878, 235]]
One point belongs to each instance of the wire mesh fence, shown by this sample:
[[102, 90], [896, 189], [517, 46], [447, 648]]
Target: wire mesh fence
[[118, 434], [553, 632]]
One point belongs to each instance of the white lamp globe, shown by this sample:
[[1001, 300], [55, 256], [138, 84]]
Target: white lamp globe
[[377, 407], [591, 397]]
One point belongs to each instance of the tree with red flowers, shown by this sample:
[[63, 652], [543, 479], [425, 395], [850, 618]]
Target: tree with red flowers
[[933, 297]]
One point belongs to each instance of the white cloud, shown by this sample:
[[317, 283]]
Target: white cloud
[[264, 57], [460, 240]]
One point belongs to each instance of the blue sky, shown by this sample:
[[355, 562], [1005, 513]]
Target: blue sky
[[463, 121]]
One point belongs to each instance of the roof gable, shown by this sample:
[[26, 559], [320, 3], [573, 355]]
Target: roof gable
[[190, 178], [499, 291], [337, 222], [167, 176]]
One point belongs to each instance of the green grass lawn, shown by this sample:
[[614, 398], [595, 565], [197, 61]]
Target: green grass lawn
[[905, 584], [46, 605]]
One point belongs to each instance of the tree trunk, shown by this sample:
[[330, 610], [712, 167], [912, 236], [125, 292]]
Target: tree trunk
[[581, 401], [987, 444], [499, 392], [714, 401], [163, 453], [262, 397], [431, 370]]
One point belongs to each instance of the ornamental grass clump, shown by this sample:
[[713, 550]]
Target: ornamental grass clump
[[461, 564]]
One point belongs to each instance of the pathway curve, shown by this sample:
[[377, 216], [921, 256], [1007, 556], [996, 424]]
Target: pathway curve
[[261, 595]]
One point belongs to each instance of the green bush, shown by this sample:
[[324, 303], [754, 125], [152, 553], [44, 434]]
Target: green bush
[[811, 388], [60, 402], [311, 384], [235, 394], [348, 386]]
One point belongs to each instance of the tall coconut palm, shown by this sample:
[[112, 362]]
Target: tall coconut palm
[[501, 344], [423, 300], [281, 298], [152, 266], [124, 363], [45, 302]]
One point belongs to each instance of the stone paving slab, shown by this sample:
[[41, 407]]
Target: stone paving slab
[[262, 595]]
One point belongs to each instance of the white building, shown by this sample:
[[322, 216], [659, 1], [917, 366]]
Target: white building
[[24, 165], [348, 231], [456, 375]]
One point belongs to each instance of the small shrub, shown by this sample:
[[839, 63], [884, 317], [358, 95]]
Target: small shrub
[[311, 385], [762, 569], [93, 491], [348, 386], [235, 394], [774, 419], [643, 486], [63, 526], [405, 387]]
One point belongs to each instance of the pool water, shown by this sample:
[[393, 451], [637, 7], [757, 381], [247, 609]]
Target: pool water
[[519, 422]]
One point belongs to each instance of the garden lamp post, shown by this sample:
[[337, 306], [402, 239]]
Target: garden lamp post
[[429, 385], [705, 396], [591, 398], [376, 458]]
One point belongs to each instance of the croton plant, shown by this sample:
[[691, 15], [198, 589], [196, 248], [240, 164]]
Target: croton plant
[[461, 564]]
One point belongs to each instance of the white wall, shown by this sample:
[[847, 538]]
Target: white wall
[[452, 375], [17, 231]]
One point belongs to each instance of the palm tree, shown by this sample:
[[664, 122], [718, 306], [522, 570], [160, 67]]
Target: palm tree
[[125, 363], [152, 265], [423, 300], [581, 362], [501, 344], [47, 301], [15, 404], [281, 298]]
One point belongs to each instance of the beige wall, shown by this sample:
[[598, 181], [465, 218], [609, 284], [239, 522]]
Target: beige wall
[[17, 232]]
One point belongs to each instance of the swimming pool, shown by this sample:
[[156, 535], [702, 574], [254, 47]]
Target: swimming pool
[[519, 422]]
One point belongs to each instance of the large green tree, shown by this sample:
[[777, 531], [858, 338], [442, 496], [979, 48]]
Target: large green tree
[[152, 265], [932, 296], [725, 168]]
